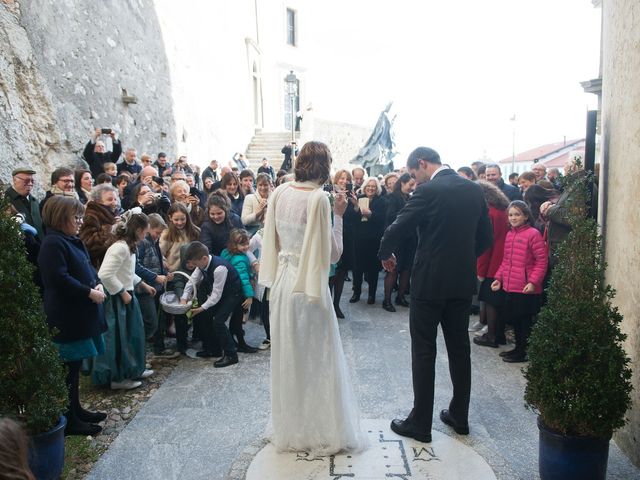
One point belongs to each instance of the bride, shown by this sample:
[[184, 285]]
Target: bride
[[313, 407]]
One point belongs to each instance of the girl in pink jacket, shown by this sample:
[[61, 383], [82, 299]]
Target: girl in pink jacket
[[523, 267]]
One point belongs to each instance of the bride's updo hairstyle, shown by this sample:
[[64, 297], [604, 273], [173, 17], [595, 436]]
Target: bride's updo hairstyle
[[313, 163]]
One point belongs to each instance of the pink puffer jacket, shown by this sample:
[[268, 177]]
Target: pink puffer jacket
[[524, 260]]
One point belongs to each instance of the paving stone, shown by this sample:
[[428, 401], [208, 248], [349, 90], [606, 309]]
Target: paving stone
[[209, 423]]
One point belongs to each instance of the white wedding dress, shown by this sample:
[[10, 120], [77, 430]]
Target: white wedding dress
[[313, 407]]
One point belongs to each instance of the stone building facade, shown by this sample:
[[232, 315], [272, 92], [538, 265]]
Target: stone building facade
[[620, 184], [196, 79]]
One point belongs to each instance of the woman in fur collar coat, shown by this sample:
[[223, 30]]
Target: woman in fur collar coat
[[99, 218]]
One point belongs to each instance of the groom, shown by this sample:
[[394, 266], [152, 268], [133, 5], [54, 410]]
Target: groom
[[452, 219]]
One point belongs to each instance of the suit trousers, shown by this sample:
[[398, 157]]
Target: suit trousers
[[215, 334], [424, 317]]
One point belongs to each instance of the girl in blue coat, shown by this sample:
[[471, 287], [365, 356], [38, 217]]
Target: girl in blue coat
[[236, 254]]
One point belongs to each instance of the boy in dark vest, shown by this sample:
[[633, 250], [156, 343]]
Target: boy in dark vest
[[219, 291]]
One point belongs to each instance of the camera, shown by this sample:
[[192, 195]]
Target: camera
[[327, 187], [193, 191], [349, 187], [106, 131], [157, 196]]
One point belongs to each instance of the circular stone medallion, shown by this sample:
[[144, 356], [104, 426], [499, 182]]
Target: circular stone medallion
[[388, 456]]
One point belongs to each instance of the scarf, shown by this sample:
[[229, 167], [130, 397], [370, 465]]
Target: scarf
[[313, 270]]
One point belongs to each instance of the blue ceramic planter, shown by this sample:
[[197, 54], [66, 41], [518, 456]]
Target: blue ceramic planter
[[46, 452], [571, 458]]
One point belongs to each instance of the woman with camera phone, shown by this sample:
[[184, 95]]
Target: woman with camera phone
[[342, 184], [150, 201]]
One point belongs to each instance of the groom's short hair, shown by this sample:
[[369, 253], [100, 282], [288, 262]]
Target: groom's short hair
[[423, 153], [195, 251]]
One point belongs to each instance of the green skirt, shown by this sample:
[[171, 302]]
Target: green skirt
[[124, 356]]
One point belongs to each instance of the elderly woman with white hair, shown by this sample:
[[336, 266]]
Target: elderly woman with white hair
[[181, 192], [371, 210], [99, 218]]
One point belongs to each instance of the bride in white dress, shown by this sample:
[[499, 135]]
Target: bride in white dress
[[313, 407]]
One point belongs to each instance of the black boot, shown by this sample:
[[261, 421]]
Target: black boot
[[355, 297], [90, 417], [75, 426], [388, 306], [339, 313]]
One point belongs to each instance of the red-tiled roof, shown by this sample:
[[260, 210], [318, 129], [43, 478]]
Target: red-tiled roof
[[542, 151], [560, 159]]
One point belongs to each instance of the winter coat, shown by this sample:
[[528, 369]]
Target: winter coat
[[490, 260], [524, 261], [68, 277], [149, 262], [97, 160], [241, 263], [95, 231], [215, 236]]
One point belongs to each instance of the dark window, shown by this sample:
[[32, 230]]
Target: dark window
[[291, 27]]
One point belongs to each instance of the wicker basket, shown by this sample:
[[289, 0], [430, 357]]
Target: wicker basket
[[170, 302]]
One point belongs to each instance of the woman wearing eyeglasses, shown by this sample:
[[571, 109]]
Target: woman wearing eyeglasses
[[73, 297], [62, 184]]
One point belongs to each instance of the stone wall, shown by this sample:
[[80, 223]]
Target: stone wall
[[620, 184], [64, 71], [344, 140]]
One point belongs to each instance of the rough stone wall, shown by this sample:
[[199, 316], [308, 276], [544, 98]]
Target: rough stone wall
[[621, 150], [65, 67], [28, 129]]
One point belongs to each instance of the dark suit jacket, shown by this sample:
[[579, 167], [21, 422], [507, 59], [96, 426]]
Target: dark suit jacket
[[451, 216]]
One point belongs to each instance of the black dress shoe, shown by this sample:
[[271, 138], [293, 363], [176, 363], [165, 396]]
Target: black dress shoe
[[402, 302], [508, 353], [371, 300], [91, 417], [339, 313], [484, 341], [354, 298], [226, 361], [406, 429], [388, 306], [459, 428], [244, 348], [78, 427]]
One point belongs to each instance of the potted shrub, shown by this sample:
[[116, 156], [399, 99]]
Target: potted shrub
[[32, 377], [578, 377]]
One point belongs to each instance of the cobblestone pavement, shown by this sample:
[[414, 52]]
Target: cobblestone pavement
[[207, 423]]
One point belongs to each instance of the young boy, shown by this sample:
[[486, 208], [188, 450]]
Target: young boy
[[150, 267], [111, 169], [219, 292]]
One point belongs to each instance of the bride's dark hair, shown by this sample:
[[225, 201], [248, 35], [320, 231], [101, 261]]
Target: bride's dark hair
[[313, 163]]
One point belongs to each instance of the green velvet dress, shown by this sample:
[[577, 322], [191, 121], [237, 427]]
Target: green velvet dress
[[124, 356]]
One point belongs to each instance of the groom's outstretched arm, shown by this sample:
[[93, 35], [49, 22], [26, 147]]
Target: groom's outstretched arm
[[406, 222]]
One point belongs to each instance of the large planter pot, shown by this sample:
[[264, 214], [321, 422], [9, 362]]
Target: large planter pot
[[46, 452], [564, 457]]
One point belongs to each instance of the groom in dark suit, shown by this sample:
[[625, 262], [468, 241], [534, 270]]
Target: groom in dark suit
[[453, 225]]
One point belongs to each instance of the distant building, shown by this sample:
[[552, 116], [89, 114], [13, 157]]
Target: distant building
[[550, 155]]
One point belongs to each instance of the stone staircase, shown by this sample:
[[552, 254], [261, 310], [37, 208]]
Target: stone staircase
[[267, 144]]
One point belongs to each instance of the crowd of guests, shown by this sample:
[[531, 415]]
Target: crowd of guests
[[528, 215], [110, 240]]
